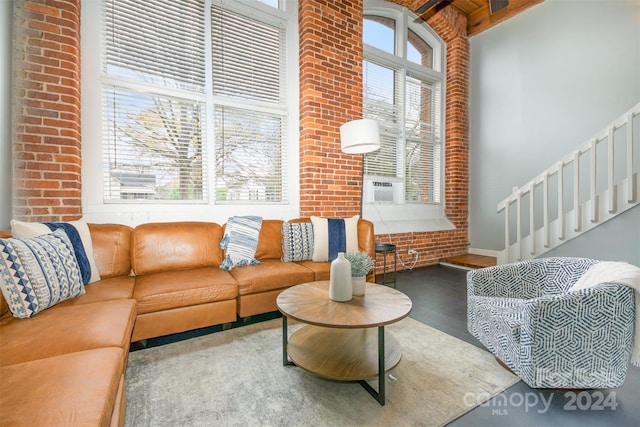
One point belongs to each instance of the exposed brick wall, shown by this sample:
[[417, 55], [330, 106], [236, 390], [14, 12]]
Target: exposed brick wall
[[46, 131], [330, 95], [47, 119]]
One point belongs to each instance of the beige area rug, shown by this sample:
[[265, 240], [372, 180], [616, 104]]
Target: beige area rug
[[236, 378]]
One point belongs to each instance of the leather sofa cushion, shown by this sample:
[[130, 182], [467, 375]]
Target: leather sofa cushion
[[111, 249], [171, 246], [270, 240], [320, 270], [113, 288], [71, 389], [173, 289], [61, 330], [271, 274]]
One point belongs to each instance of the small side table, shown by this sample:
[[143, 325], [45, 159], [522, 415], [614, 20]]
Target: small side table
[[384, 249]]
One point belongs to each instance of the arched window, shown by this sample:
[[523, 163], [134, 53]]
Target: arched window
[[403, 79]]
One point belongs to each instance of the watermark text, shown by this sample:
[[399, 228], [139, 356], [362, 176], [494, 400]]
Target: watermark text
[[540, 402]]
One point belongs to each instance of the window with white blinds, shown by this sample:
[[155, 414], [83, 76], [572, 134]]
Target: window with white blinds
[[247, 57], [380, 102], [153, 146], [402, 91], [156, 41], [423, 141], [248, 156], [193, 105]]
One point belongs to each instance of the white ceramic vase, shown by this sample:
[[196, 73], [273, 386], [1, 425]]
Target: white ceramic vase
[[340, 288], [358, 285]]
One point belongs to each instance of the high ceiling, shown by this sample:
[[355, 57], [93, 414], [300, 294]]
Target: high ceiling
[[479, 16]]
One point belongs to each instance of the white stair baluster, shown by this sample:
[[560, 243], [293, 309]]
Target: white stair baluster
[[545, 209], [630, 195], [610, 186], [576, 191], [593, 198], [519, 224], [560, 200], [532, 230], [507, 238]]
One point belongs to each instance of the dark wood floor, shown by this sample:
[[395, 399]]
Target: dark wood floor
[[439, 300]]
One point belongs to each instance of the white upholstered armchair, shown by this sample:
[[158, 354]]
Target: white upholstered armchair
[[549, 335]]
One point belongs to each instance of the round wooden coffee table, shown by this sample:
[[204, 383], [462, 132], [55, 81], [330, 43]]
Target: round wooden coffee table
[[338, 341]]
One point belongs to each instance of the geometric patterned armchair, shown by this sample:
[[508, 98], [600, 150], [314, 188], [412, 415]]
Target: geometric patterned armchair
[[525, 314]]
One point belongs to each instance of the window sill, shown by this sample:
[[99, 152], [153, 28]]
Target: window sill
[[394, 219]]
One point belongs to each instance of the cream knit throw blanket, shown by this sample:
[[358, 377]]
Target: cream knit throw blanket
[[616, 272]]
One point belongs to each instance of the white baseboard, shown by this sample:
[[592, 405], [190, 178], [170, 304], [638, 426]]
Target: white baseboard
[[485, 252]]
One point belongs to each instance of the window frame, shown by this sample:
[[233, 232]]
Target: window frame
[[399, 216], [95, 208]]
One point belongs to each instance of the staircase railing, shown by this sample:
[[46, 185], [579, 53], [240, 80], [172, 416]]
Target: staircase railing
[[592, 184]]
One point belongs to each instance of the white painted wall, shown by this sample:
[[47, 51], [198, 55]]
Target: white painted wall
[[541, 84], [6, 10]]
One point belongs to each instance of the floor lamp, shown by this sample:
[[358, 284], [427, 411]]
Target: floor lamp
[[360, 137]]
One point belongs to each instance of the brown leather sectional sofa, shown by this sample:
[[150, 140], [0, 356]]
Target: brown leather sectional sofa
[[66, 365]]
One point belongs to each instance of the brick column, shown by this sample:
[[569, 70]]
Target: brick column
[[451, 26], [46, 110], [330, 95]]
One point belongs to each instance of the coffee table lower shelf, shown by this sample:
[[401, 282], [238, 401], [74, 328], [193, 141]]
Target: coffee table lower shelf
[[343, 354]]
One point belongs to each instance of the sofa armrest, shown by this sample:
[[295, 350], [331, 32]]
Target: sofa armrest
[[366, 237]]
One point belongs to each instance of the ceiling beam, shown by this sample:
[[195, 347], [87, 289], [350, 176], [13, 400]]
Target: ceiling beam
[[427, 6], [482, 19]]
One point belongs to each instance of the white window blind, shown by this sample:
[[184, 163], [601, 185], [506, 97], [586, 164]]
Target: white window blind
[[248, 63], [153, 141], [405, 99], [382, 91], [153, 147], [247, 57], [168, 100], [423, 141], [156, 41], [249, 158]]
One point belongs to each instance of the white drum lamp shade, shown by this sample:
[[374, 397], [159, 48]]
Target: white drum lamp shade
[[360, 136]]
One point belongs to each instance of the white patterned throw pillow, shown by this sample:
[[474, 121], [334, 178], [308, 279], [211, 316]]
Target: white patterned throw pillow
[[240, 241], [39, 272], [297, 241], [333, 235], [78, 233]]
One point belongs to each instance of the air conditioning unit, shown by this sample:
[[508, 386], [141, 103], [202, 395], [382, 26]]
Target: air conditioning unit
[[382, 191]]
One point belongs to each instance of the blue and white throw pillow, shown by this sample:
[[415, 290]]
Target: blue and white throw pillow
[[78, 233], [240, 241], [297, 241], [333, 235], [39, 272]]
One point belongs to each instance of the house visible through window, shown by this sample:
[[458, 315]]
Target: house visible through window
[[403, 82], [194, 102]]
